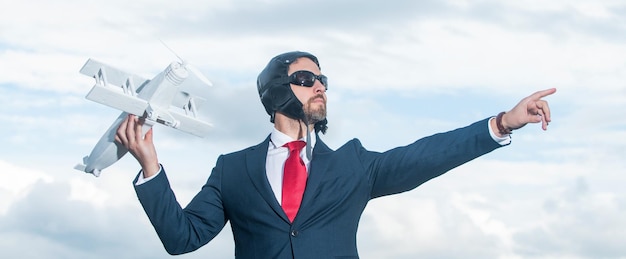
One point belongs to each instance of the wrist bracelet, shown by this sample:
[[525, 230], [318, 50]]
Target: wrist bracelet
[[502, 129]]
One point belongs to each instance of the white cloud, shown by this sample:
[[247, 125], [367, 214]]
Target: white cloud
[[16, 181], [496, 210], [85, 191]]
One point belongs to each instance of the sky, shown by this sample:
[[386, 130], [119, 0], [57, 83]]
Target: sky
[[398, 71]]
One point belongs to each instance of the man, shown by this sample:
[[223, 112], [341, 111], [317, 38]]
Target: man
[[313, 209]]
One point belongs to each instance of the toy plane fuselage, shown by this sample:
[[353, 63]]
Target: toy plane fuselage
[[169, 99]]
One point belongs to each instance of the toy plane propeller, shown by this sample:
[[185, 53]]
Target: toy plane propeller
[[170, 98]]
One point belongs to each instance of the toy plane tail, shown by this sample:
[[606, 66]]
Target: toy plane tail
[[80, 167], [83, 167]]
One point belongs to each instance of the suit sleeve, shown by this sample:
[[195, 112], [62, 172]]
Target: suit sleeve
[[404, 168], [183, 230]]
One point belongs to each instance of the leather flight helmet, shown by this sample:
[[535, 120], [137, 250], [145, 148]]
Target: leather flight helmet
[[275, 90]]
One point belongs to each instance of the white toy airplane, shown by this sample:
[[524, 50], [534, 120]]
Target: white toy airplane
[[170, 98]]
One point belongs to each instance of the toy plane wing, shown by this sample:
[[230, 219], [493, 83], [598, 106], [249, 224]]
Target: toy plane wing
[[110, 75], [162, 99]]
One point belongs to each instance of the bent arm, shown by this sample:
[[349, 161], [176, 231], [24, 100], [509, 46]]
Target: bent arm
[[182, 230]]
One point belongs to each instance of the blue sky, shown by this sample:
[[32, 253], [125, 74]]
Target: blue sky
[[398, 71]]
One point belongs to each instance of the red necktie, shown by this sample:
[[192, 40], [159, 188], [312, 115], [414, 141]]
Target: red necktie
[[294, 179]]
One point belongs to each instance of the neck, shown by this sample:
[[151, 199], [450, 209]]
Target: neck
[[296, 129]]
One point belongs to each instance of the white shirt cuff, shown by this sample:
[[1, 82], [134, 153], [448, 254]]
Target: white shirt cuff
[[141, 180], [504, 140]]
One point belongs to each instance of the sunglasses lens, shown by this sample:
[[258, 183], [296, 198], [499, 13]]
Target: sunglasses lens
[[303, 78], [324, 80]]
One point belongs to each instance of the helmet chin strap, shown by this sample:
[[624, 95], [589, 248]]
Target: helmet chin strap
[[308, 143], [308, 138]]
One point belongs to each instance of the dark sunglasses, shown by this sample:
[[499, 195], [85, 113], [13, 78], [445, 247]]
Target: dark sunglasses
[[307, 78]]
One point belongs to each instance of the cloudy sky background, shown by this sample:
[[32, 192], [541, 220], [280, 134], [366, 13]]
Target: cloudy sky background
[[398, 71]]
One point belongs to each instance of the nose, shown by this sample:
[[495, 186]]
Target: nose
[[318, 87]]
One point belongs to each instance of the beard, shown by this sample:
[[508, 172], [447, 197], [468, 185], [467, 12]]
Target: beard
[[317, 114]]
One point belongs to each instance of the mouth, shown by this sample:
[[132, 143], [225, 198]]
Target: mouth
[[317, 99]]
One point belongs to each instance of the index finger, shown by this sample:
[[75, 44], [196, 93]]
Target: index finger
[[540, 94]]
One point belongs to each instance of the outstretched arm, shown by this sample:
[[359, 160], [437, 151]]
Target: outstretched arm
[[532, 109], [141, 147]]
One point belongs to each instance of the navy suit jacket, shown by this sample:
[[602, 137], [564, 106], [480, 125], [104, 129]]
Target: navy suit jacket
[[339, 186]]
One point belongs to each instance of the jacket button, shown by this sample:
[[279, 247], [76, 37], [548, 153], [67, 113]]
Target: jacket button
[[294, 233]]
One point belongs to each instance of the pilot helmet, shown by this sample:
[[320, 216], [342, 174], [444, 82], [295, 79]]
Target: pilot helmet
[[275, 90]]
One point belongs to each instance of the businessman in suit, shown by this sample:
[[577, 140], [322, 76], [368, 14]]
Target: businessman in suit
[[291, 196]]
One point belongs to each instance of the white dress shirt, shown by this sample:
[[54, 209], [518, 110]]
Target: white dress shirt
[[276, 157]]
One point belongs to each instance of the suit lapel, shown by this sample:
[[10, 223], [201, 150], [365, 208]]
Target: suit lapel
[[318, 169], [255, 162]]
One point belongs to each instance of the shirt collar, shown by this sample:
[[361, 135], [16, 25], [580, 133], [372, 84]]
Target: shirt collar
[[278, 139]]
